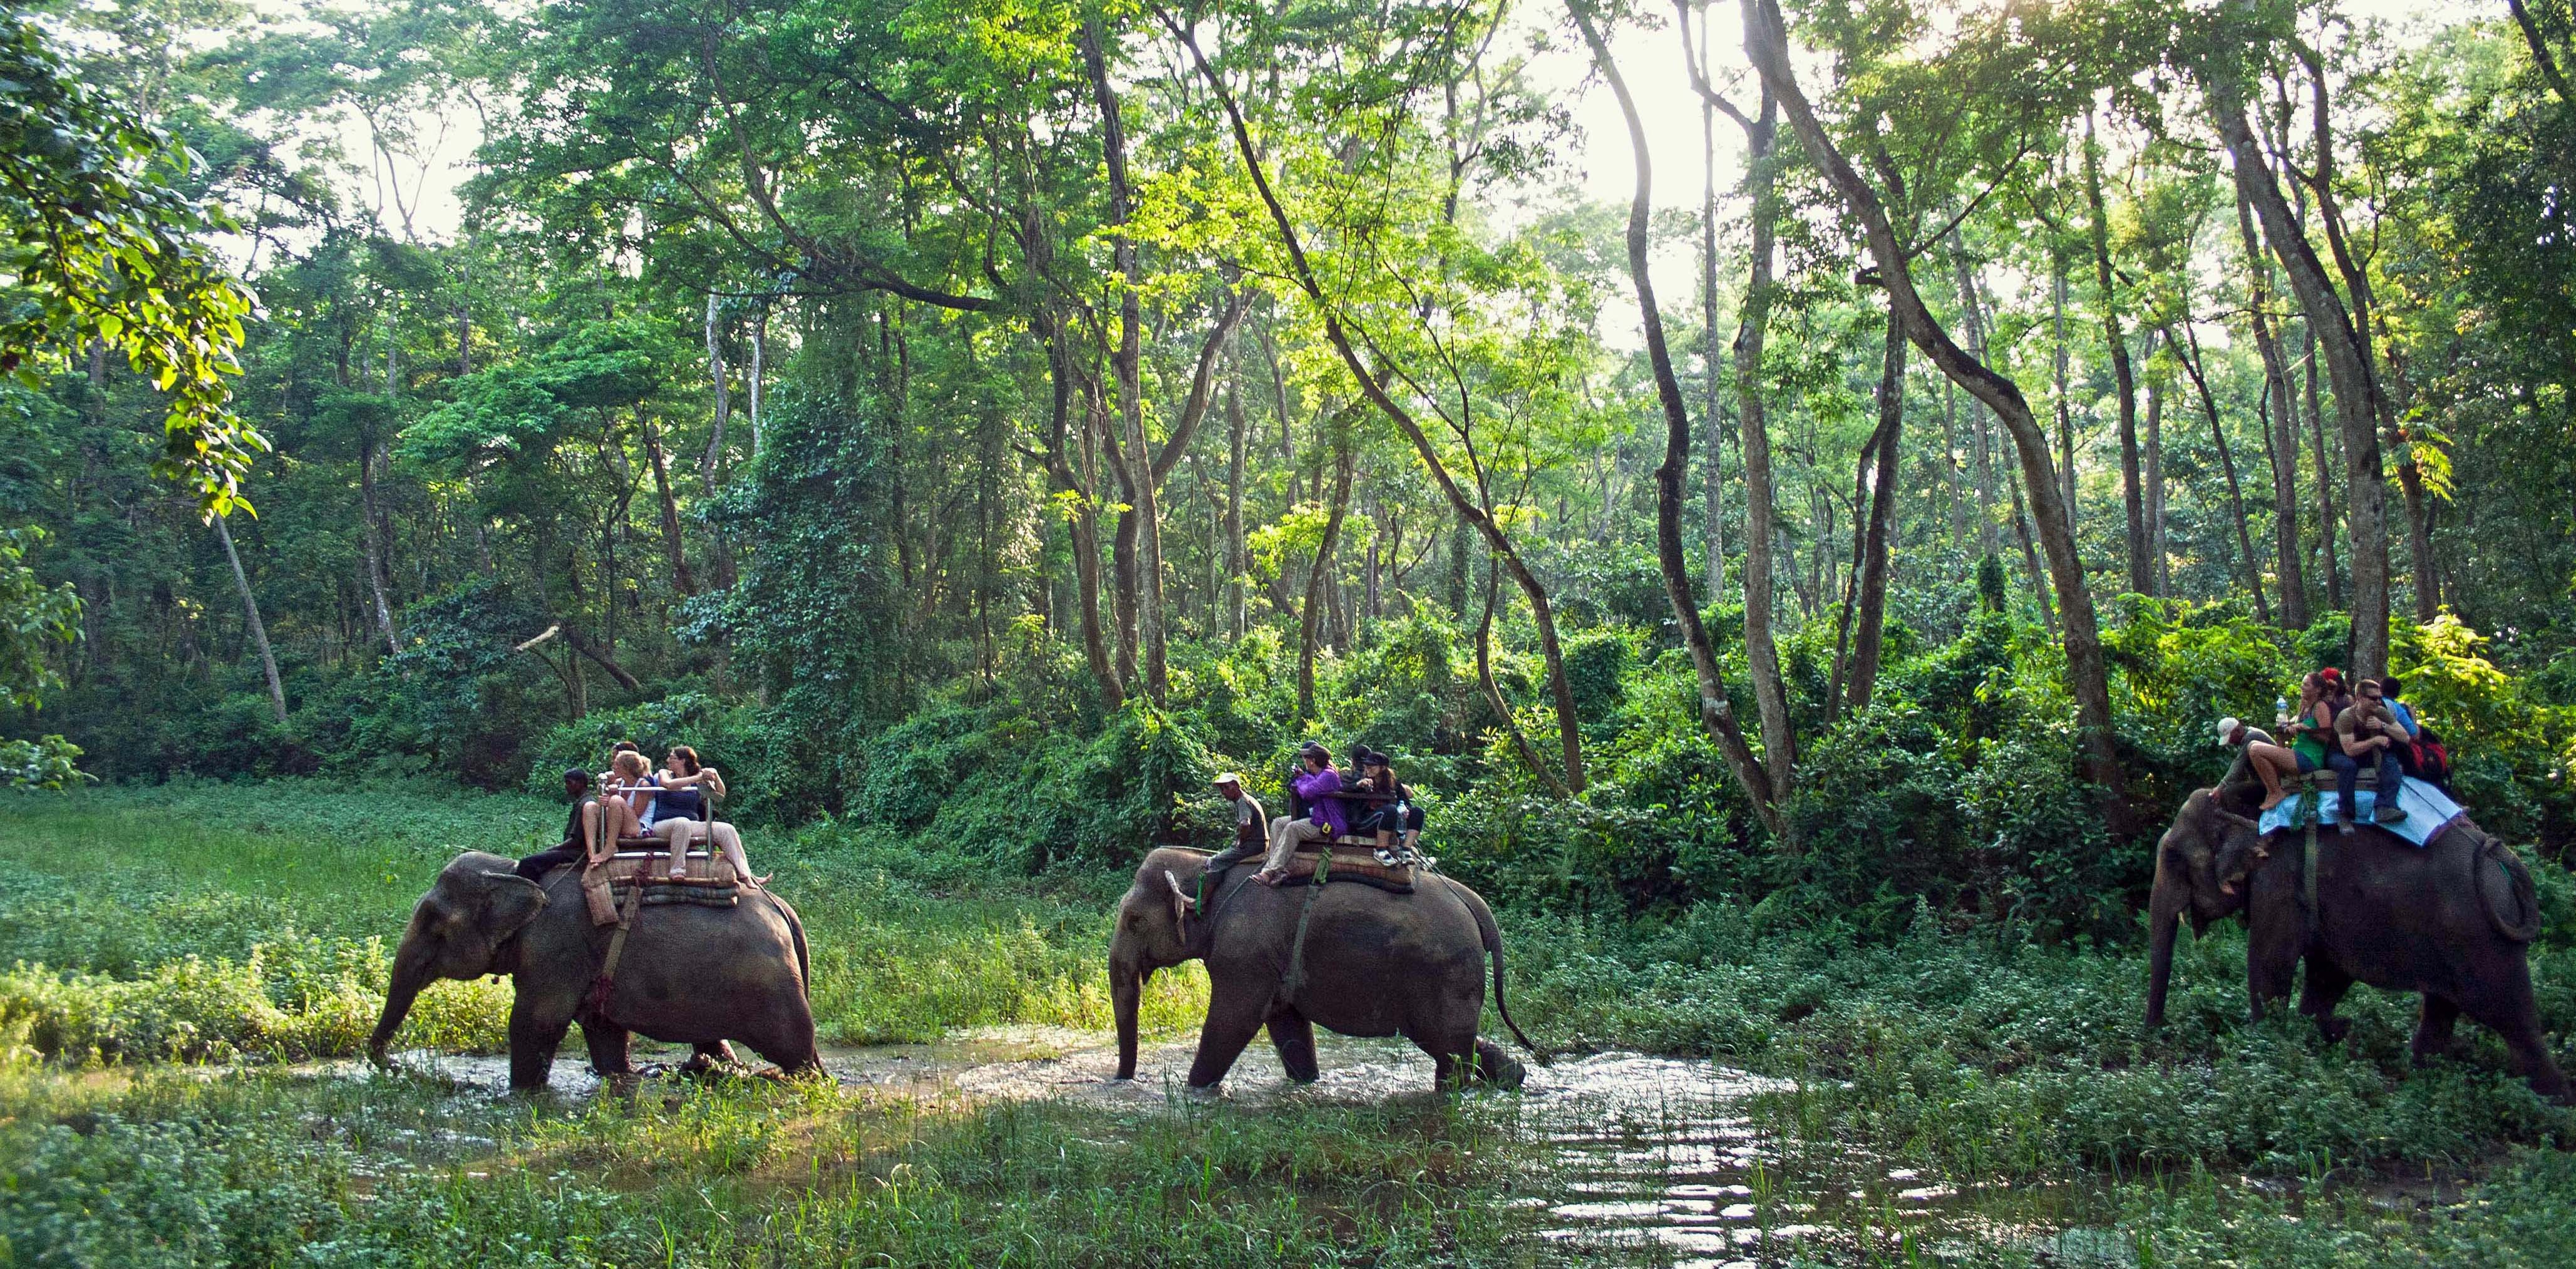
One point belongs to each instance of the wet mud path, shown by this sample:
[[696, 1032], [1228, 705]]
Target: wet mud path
[[1636, 1158]]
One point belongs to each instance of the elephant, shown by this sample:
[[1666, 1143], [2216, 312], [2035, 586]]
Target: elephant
[[2449, 921], [689, 974], [1376, 963]]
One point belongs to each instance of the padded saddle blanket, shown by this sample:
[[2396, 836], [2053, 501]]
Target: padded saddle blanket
[[710, 880], [1354, 859], [2429, 811]]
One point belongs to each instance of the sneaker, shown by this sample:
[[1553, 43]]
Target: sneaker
[[2343, 826], [2389, 814]]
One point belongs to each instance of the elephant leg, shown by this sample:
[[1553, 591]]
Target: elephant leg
[[1231, 1024], [2517, 1023], [2433, 1029], [2271, 958], [2325, 989], [1292, 1037], [535, 1034], [607, 1043]]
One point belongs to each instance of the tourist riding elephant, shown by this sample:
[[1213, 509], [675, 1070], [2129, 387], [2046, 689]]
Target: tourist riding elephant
[[689, 974], [1376, 963], [2448, 921]]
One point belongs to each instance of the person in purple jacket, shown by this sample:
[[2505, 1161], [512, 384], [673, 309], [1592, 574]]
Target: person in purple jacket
[[1325, 820]]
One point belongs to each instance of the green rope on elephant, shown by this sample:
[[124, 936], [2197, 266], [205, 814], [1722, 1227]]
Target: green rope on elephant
[[1295, 981], [2308, 873]]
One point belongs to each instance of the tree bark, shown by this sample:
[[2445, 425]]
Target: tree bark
[[2157, 520], [1713, 484], [2190, 359], [1319, 575], [1862, 680], [2087, 675], [1716, 715], [671, 544], [250, 617], [759, 370], [2283, 436], [370, 529], [1981, 452], [2356, 390], [2325, 469], [1145, 593], [1235, 565], [2142, 578]]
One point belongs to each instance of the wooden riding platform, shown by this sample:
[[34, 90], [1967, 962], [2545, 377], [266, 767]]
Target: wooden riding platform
[[1352, 859]]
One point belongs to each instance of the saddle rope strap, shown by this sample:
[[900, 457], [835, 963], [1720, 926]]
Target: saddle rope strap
[[1295, 981]]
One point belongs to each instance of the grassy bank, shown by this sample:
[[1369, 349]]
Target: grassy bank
[[142, 927]]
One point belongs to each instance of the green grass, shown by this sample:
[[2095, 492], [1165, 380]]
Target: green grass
[[147, 923], [139, 927]]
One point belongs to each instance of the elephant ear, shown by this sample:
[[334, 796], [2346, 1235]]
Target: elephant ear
[[509, 903]]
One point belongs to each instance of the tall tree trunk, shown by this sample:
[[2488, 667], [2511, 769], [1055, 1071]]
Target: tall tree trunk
[[370, 530], [1319, 575], [2356, 390], [1717, 716], [1078, 473], [2157, 520], [1862, 680], [676, 550], [2142, 577], [1236, 566], [759, 372], [2325, 469], [2065, 412], [1971, 316], [250, 618], [1713, 483], [1542, 614], [2190, 359], [2282, 439], [2087, 675], [1761, 525], [1144, 593]]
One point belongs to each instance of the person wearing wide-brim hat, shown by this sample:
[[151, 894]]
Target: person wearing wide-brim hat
[[1250, 828]]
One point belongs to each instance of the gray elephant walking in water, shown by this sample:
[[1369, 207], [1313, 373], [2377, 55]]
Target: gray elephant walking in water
[[1375, 964], [689, 975]]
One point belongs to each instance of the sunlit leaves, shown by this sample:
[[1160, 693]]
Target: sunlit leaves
[[98, 243]]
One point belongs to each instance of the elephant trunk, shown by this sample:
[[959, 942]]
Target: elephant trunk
[[1126, 987], [411, 973], [2164, 921]]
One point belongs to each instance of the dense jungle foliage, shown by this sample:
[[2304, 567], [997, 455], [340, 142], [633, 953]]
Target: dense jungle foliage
[[974, 426]]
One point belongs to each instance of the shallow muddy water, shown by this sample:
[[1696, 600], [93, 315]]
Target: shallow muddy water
[[1637, 1158]]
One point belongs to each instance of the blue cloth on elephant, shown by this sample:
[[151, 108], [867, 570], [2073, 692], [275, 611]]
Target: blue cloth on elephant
[[2429, 811]]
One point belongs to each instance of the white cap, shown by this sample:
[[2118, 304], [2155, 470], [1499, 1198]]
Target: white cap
[[2227, 731], [1229, 778]]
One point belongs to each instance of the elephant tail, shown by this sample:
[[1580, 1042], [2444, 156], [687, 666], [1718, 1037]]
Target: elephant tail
[[2522, 924], [1492, 935]]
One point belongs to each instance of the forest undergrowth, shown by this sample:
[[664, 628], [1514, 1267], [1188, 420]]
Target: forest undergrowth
[[150, 932]]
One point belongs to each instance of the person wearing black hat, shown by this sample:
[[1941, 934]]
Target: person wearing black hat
[[570, 850]]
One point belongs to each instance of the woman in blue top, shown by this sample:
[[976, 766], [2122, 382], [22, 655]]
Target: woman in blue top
[[677, 807]]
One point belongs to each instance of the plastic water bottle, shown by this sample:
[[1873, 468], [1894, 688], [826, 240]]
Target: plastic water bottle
[[2281, 710]]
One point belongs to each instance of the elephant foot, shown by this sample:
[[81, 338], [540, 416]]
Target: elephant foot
[[1500, 1069], [1203, 1092]]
